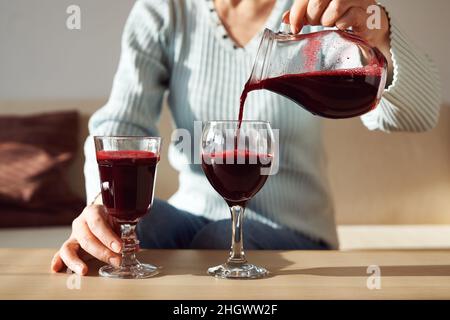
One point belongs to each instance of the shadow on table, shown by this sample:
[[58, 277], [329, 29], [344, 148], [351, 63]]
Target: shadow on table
[[187, 262], [387, 271], [272, 260], [197, 262]]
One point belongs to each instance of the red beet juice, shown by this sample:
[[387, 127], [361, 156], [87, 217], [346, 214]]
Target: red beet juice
[[127, 182], [332, 94], [236, 175]]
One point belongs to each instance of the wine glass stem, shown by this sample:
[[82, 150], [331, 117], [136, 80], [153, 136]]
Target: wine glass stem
[[237, 255], [129, 244]]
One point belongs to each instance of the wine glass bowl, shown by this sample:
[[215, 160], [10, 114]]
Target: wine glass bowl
[[237, 161]]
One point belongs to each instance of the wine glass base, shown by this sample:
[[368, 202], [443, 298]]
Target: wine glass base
[[137, 271], [241, 271]]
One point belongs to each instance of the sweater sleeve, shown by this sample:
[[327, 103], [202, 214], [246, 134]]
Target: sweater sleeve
[[412, 101], [135, 101]]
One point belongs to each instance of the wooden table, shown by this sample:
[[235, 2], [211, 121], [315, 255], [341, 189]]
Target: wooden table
[[24, 274]]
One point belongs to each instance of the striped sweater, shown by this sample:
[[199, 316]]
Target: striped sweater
[[180, 46]]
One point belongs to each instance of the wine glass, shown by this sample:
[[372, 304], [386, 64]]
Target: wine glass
[[237, 160], [127, 168]]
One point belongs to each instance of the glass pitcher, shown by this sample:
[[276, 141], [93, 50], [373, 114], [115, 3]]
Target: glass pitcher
[[331, 73]]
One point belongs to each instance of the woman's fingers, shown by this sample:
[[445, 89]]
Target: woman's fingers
[[92, 232], [354, 18], [315, 10], [336, 9], [349, 13], [297, 15], [96, 220], [89, 242], [69, 255], [285, 17], [57, 264]]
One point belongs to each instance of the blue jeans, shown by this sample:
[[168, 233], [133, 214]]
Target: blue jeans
[[167, 227]]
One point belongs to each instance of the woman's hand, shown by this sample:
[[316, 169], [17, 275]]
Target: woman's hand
[[92, 233], [342, 14]]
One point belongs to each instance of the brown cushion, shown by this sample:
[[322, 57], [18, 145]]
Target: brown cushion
[[54, 132], [35, 153], [16, 217]]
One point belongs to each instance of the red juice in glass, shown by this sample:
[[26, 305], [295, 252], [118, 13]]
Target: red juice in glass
[[127, 182], [236, 175]]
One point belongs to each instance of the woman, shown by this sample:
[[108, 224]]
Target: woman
[[202, 52]]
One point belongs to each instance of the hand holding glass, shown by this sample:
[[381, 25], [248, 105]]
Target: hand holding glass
[[127, 168]]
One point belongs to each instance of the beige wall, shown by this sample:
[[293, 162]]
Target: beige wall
[[380, 178], [428, 25]]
